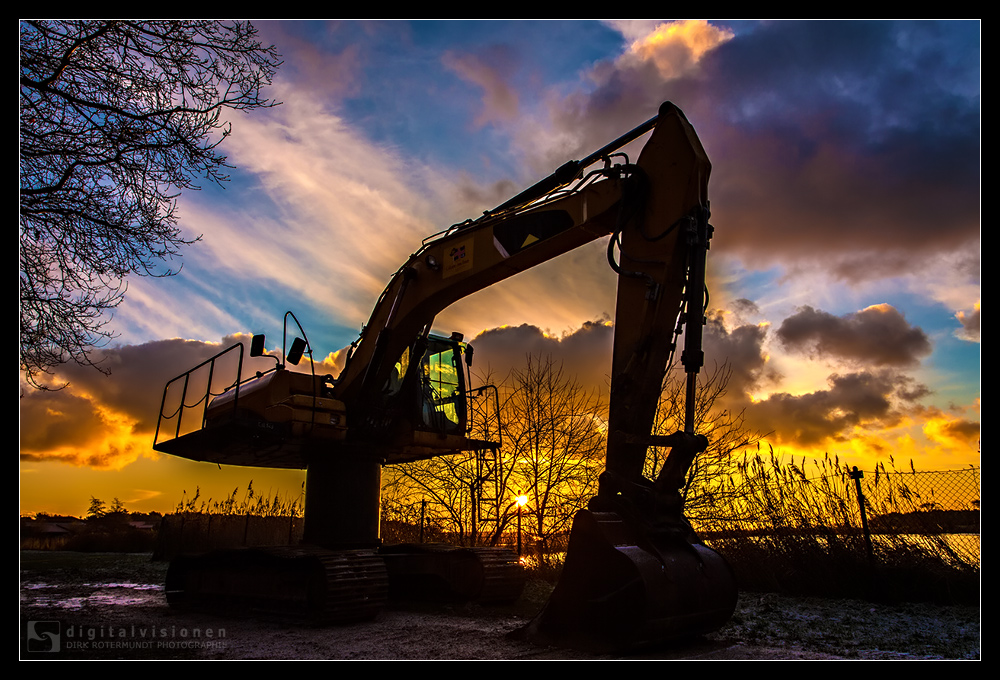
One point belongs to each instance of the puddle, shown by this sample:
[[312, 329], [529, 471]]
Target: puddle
[[52, 596]]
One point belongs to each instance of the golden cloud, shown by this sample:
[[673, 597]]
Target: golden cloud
[[953, 432], [675, 48]]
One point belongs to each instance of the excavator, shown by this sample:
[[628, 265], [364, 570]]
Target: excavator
[[634, 572]]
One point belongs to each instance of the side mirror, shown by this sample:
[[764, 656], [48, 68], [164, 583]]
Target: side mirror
[[257, 346], [295, 353], [468, 355]]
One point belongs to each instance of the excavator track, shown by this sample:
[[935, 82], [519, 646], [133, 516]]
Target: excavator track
[[503, 577], [298, 584], [444, 572]]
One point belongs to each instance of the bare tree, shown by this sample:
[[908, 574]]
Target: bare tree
[[448, 485], [116, 118], [554, 433], [467, 495], [553, 451]]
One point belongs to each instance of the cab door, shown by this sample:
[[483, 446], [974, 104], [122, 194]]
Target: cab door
[[442, 394]]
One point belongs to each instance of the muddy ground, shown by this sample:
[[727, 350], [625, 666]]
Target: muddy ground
[[112, 606]]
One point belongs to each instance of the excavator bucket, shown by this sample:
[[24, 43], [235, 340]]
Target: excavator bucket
[[635, 573], [620, 589]]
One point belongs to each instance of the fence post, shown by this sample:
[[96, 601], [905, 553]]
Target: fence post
[[423, 507], [856, 475]]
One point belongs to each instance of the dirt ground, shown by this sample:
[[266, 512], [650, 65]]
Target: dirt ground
[[112, 606]]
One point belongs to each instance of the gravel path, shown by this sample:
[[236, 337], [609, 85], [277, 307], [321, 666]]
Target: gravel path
[[111, 606]]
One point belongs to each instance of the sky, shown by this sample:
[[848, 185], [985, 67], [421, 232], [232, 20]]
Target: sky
[[844, 272]]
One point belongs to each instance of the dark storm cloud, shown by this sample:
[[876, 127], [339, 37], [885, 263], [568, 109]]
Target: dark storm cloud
[[745, 308], [584, 353], [867, 400], [742, 349], [846, 136], [828, 139], [877, 336], [853, 404]]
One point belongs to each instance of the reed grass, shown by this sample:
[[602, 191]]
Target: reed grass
[[249, 504]]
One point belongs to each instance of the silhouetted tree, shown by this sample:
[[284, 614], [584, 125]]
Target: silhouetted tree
[[116, 118], [97, 508]]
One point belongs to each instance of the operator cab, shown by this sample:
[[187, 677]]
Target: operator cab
[[437, 387]]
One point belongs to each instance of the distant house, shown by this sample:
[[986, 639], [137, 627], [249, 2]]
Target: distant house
[[49, 534]]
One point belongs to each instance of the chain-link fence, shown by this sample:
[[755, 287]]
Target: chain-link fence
[[942, 507], [845, 530]]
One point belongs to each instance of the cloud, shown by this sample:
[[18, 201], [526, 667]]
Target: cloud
[[744, 308], [314, 65], [676, 47], [854, 403], [846, 138], [970, 324], [959, 433], [856, 407], [742, 348], [808, 171], [340, 215], [488, 70], [336, 214], [615, 95], [849, 148], [877, 335], [585, 353]]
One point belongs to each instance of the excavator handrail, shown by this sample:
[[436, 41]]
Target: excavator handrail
[[186, 375]]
